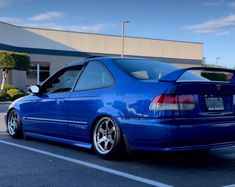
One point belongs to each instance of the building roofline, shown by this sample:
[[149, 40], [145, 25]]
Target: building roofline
[[100, 34], [89, 54]]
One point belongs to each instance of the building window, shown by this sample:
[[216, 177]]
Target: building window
[[44, 72]]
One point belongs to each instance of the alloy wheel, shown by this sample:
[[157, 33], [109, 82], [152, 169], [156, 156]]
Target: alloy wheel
[[12, 124], [105, 135]]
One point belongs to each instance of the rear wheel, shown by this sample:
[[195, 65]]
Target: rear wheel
[[107, 139], [13, 124]]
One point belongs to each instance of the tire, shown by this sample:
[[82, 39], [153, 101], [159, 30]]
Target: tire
[[107, 139], [14, 127]]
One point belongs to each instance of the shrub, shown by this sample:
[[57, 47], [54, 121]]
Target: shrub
[[13, 60], [15, 94], [8, 87], [215, 76], [4, 96]]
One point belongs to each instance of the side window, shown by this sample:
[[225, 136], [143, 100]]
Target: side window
[[95, 75], [63, 81]]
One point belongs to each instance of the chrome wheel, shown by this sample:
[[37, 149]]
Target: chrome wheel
[[14, 127], [105, 135], [12, 123]]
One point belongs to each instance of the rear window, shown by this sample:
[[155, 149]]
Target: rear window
[[152, 70]]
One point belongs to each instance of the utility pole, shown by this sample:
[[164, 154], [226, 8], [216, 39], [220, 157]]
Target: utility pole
[[123, 37]]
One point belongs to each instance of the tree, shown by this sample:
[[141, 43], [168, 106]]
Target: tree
[[12, 60]]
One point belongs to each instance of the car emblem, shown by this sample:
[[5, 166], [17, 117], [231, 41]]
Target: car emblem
[[218, 87]]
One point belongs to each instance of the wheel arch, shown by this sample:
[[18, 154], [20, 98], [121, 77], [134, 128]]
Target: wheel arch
[[98, 117]]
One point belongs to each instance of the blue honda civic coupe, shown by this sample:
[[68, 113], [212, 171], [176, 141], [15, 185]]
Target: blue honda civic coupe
[[114, 105]]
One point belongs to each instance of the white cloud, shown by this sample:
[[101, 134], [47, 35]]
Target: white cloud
[[221, 26], [231, 4], [4, 3], [47, 16], [11, 20], [213, 3], [94, 28]]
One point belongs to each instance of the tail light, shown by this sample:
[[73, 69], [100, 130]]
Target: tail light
[[173, 102]]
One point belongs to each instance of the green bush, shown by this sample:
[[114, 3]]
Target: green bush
[[4, 96], [15, 94], [8, 87], [215, 76], [13, 60]]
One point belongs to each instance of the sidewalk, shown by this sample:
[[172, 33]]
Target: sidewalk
[[3, 108]]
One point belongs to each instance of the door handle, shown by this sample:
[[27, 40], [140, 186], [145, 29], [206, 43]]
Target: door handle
[[60, 102]]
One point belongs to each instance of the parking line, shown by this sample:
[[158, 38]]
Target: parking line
[[90, 165], [231, 185]]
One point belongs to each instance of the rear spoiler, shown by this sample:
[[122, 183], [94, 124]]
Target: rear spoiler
[[175, 75]]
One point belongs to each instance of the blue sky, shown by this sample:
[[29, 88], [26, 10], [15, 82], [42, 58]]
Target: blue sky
[[211, 22]]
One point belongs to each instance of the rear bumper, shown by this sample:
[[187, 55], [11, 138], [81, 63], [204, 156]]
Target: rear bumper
[[160, 135]]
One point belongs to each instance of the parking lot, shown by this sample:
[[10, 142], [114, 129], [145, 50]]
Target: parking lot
[[40, 163]]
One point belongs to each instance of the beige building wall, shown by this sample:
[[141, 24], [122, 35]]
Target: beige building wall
[[96, 43], [56, 62], [52, 42]]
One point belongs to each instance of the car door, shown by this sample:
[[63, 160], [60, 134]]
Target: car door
[[87, 98], [48, 111]]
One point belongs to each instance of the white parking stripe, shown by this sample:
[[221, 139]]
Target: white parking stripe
[[90, 165], [232, 185]]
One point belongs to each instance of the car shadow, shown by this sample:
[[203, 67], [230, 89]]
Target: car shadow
[[217, 158]]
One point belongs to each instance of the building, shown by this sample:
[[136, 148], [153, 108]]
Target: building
[[52, 49]]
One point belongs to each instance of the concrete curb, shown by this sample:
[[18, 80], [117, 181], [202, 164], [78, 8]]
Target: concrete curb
[[5, 102]]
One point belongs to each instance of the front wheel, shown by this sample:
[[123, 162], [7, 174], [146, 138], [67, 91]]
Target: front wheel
[[107, 139], [14, 127]]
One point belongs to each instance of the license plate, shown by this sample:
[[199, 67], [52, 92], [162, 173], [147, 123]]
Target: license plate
[[214, 103]]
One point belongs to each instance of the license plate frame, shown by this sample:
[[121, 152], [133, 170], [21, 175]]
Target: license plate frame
[[214, 103]]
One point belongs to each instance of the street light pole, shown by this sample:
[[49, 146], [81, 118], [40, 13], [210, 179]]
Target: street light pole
[[216, 60], [123, 37]]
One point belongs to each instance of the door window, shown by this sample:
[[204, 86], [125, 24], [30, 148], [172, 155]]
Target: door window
[[94, 76], [63, 81], [44, 72]]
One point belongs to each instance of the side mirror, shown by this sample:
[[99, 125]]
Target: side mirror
[[34, 89]]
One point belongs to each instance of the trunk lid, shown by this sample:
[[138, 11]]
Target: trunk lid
[[211, 98]]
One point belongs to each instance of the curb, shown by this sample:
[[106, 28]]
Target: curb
[[5, 102]]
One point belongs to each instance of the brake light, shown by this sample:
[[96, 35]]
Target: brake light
[[173, 102]]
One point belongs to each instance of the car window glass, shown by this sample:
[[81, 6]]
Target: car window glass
[[64, 82], [152, 70], [95, 75]]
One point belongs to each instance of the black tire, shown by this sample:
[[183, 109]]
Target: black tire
[[108, 140], [14, 127]]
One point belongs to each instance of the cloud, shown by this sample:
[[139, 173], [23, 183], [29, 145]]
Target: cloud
[[213, 3], [47, 16], [231, 4], [93, 28], [4, 3], [221, 26]]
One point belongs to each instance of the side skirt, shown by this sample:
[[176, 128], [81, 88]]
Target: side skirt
[[60, 140]]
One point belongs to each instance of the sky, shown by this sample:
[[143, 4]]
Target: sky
[[211, 22]]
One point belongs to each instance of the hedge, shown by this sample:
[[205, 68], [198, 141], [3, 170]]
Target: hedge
[[13, 60], [11, 93], [215, 76]]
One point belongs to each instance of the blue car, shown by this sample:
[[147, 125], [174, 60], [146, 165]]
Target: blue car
[[114, 105]]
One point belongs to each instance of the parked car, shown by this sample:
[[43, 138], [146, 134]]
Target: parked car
[[118, 104]]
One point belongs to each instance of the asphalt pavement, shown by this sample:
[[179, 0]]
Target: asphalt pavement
[[41, 163]]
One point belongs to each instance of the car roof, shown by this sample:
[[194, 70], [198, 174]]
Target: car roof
[[98, 58]]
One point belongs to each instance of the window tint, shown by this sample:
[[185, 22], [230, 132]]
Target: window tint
[[95, 75], [63, 81], [44, 72], [152, 70]]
